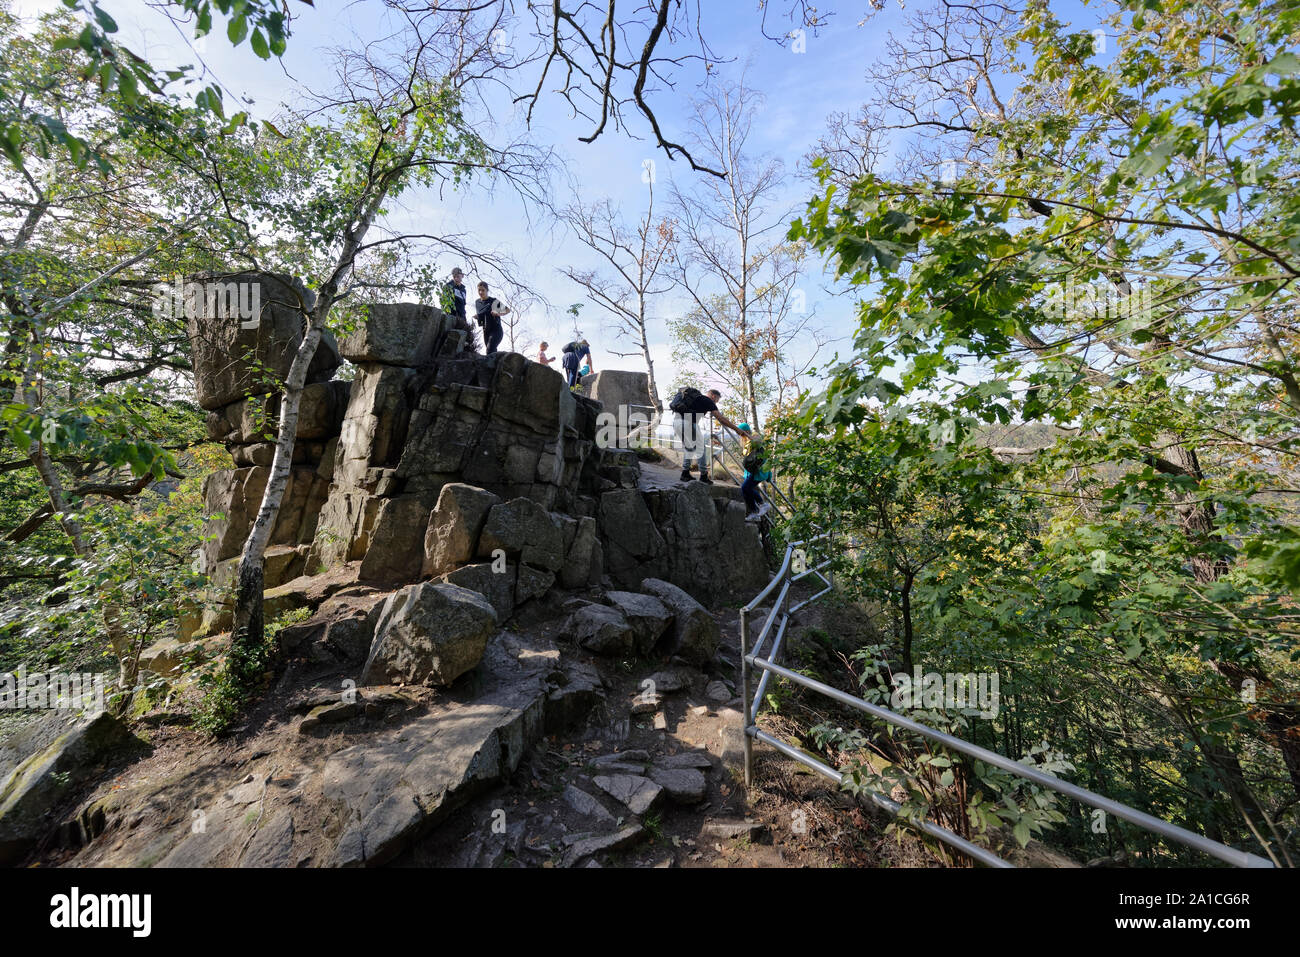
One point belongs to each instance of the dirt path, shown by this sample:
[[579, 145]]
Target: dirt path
[[557, 804]]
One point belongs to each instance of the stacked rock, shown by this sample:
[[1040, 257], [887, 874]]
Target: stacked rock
[[423, 415], [244, 329]]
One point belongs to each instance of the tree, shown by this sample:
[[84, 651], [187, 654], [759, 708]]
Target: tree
[[636, 257], [88, 366], [405, 126], [734, 270], [1116, 258], [29, 128]]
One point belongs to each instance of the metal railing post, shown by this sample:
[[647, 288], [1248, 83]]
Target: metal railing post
[[745, 704]]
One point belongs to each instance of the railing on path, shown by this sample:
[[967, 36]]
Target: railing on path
[[728, 457], [796, 566]]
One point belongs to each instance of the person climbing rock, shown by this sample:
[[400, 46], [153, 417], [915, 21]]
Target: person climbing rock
[[574, 353], [755, 455], [690, 405], [454, 300], [488, 312]]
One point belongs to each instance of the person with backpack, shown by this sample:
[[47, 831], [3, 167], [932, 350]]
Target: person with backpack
[[690, 404], [488, 313], [755, 455], [573, 354]]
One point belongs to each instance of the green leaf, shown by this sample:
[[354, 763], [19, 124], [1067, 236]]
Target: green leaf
[[258, 43]]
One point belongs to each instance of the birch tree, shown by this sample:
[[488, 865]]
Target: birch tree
[[636, 261], [402, 122], [732, 261]]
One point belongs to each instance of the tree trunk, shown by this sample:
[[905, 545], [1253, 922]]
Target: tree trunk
[[248, 627], [907, 622]]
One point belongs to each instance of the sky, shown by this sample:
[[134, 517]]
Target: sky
[[802, 85]]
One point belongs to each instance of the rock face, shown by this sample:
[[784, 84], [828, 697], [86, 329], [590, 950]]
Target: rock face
[[234, 356], [452, 536], [648, 617], [695, 635], [496, 423], [396, 334], [390, 790], [36, 785], [613, 388], [429, 634], [432, 462], [522, 528], [603, 631]]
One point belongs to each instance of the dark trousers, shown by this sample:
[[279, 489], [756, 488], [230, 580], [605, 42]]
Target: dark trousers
[[571, 369], [749, 489], [492, 333]]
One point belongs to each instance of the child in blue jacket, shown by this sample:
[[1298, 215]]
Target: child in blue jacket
[[754, 458]]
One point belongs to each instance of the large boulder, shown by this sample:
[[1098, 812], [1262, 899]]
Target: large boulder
[[495, 581], [451, 538], [531, 395], [602, 630], [234, 356], [695, 635], [430, 633], [532, 583], [648, 616], [398, 334], [34, 789], [613, 388], [523, 528], [582, 555], [396, 551], [342, 629]]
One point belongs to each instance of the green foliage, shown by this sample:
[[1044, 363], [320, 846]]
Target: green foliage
[[971, 798], [232, 685], [27, 130], [1118, 262], [140, 566]]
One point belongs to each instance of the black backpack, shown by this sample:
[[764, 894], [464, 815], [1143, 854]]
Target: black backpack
[[571, 347], [753, 462], [685, 398]]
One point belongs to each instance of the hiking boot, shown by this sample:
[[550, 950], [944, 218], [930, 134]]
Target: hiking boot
[[686, 475], [753, 516], [704, 477], [762, 510]]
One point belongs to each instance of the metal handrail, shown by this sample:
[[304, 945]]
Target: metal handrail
[[715, 439], [752, 659]]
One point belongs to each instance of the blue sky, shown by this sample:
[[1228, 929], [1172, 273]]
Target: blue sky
[[801, 89]]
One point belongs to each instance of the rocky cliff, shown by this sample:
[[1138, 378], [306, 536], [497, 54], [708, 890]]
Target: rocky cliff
[[479, 565], [436, 462]]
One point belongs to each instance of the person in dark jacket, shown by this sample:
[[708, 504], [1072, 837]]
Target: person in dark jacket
[[456, 297], [574, 353], [488, 312], [694, 442]]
